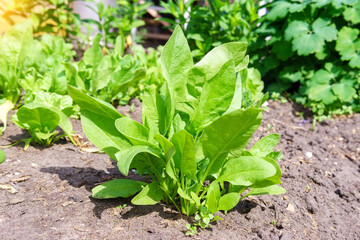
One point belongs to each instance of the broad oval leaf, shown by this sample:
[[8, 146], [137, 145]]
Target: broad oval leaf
[[134, 131], [227, 134], [117, 188], [212, 197], [34, 116], [270, 190], [228, 201], [125, 157], [150, 195], [265, 145], [98, 121], [184, 157], [247, 170]]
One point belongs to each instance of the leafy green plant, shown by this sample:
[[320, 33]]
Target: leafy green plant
[[312, 50], [129, 15], [46, 72], [106, 77], [117, 20], [203, 219], [41, 122], [150, 60], [48, 16], [15, 46], [193, 137], [214, 23]]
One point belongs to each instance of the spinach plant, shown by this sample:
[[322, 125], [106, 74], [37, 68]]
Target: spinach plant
[[311, 49], [150, 60], [106, 77], [15, 47], [41, 122], [193, 137], [46, 71]]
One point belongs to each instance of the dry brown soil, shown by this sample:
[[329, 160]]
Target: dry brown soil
[[45, 193]]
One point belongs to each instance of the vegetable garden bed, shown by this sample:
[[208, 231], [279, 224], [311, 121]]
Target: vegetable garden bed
[[46, 191]]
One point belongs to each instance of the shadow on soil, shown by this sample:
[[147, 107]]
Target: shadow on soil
[[90, 177]]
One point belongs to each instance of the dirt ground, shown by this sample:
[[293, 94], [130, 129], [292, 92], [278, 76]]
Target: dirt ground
[[45, 193]]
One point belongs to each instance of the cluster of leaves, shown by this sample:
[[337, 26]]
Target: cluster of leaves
[[48, 16], [117, 20], [43, 68], [312, 48], [106, 77], [213, 23], [193, 139], [13, 48], [41, 122]]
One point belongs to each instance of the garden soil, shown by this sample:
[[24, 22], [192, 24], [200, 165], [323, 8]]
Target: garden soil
[[45, 192]]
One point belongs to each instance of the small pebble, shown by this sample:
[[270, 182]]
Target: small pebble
[[308, 154], [290, 208]]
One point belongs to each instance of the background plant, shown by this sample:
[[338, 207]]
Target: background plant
[[41, 122], [122, 19], [311, 48], [48, 16], [213, 23], [193, 137], [14, 48], [107, 77]]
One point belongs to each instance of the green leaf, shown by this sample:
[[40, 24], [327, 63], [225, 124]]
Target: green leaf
[[226, 134], [270, 190], [216, 97], [93, 56], [279, 10], [175, 60], [2, 156], [265, 145], [296, 28], [117, 188], [322, 77], [229, 201], [348, 46], [166, 145], [307, 44], [150, 195], [126, 157], [246, 170], [184, 195], [324, 28], [93, 104], [184, 157], [352, 14], [34, 116], [344, 91], [119, 46], [212, 197], [98, 121], [134, 131], [322, 93], [306, 41]]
